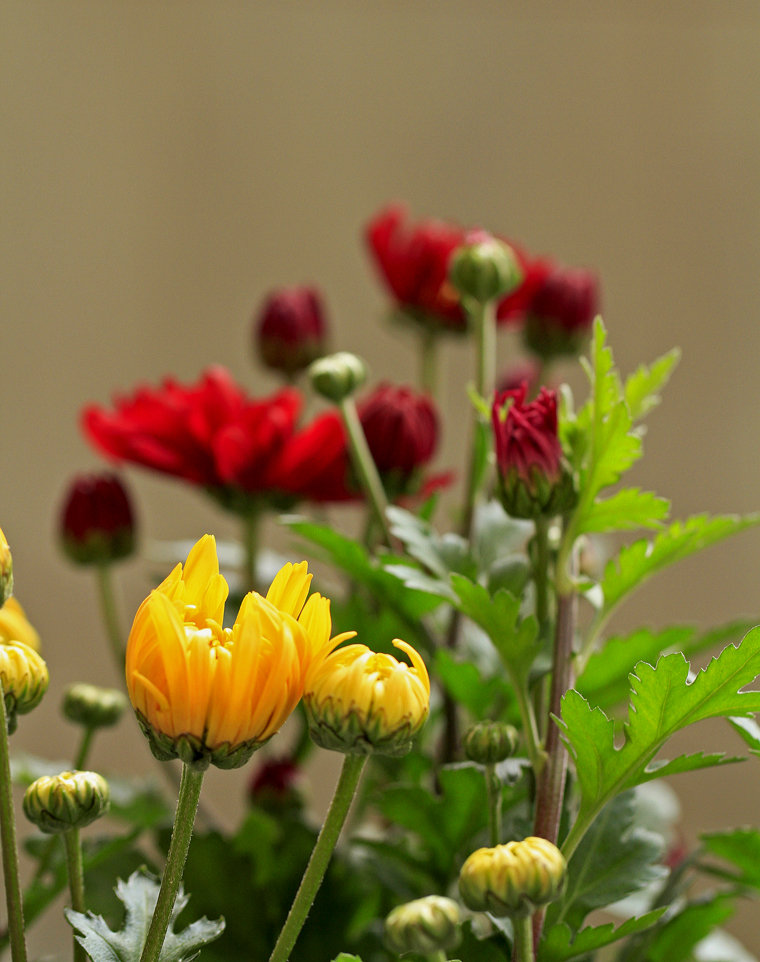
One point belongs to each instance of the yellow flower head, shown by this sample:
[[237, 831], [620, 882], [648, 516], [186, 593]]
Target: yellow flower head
[[14, 625], [24, 679], [359, 701], [512, 879], [209, 694], [6, 570]]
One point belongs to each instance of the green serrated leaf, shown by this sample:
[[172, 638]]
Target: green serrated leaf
[[560, 944], [639, 561], [499, 616], [626, 510], [643, 386], [675, 939], [615, 859], [740, 847], [662, 703], [138, 895]]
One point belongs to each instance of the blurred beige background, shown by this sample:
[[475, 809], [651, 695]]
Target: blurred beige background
[[165, 164]]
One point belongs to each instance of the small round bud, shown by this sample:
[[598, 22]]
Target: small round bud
[[58, 803], [426, 925], [512, 879], [337, 376], [359, 701], [290, 330], [490, 742], [24, 677], [561, 313], [6, 570], [97, 523], [484, 269], [93, 707]]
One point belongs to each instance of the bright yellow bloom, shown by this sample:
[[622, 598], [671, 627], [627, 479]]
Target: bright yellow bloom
[[209, 694], [512, 879], [15, 626], [359, 701]]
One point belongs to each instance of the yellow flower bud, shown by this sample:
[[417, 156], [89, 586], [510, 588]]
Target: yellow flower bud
[[93, 707], [6, 570], [359, 701], [15, 626], [24, 678], [58, 803], [424, 926], [512, 879]]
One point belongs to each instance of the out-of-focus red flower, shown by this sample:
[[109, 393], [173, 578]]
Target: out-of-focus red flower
[[276, 783], [561, 312], [241, 449], [401, 427], [97, 523], [290, 330], [533, 478], [413, 260]]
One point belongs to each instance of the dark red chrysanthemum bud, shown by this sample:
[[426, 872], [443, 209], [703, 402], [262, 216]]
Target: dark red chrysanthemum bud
[[561, 312], [533, 477], [97, 523], [276, 784], [291, 330], [401, 427]]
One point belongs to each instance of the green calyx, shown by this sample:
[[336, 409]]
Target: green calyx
[[193, 752]]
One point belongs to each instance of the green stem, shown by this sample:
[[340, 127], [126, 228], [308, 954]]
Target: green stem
[[523, 947], [109, 613], [187, 805], [76, 881], [483, 318], [493, 793], [8, 838], [251, 548], [364, 464], [429, 362], [530, 728], [541, 576], [84, 749], [320, 856]]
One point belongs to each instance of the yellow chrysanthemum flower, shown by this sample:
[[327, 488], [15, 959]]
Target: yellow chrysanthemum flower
[[15, 626], [209, 694], [360, 701]]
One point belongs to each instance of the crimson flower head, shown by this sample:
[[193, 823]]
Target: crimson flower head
[[291, 329], [97, 522], [533, 478], [413, 260], [401, 428], [561, 312]]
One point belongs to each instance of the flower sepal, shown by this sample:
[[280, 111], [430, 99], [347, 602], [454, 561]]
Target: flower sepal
[[192, 751], [351, 734], [541, 496]]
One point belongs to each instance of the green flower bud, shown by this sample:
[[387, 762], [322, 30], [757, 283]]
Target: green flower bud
[[6, 570], [424, 926], [484, 269], [24, 677], [490, 742], [512, 879], [337, 376], [58, 803], [93, 707]]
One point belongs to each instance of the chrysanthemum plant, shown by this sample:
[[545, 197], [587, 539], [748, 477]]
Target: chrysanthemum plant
[[514, 738]]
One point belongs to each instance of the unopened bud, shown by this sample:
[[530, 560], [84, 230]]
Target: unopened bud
[[490, 742], [485, 269], [58, 803], [337, 376], [426, 925], [6, 570], [97, 523], [24, 678], [93, 707], [512, 879]]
